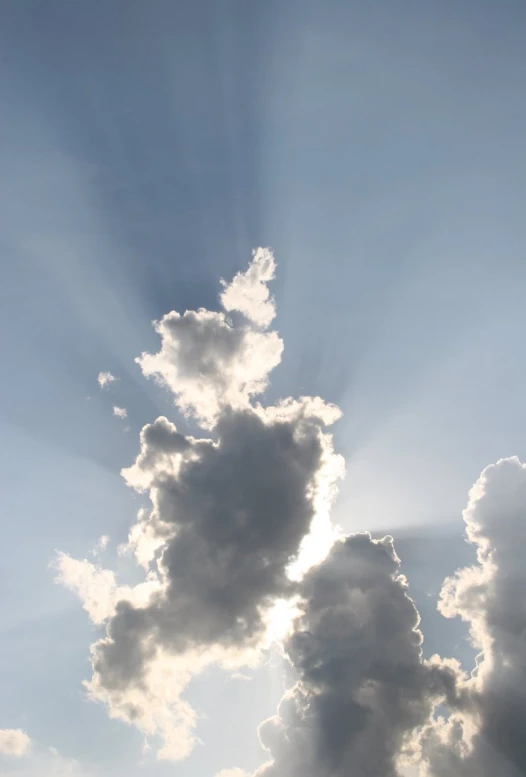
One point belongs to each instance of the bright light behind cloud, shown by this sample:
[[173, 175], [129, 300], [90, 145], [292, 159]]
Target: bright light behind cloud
[[234, 521], [239, 552]]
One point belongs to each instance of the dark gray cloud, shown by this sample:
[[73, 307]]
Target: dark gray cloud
[[229, 516], [364, 697], [362, 686], [487, 737], [235, 513]]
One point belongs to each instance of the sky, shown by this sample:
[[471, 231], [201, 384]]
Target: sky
[[371, 156]]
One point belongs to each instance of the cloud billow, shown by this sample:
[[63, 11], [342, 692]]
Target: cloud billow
[[362, 686], [229, 513], [212, 364], [486, 737], [239, 521]]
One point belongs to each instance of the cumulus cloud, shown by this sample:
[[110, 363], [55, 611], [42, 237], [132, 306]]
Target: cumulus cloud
[[97, 588], [227, 518], [120, 412], [365, 703], [362, 686], [14, 742], [105, 379], [229, 515], [212, 363], [237, 549], [248, 292], [486, 738]]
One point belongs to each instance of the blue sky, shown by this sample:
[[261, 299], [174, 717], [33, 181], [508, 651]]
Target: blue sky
[[145, 149]]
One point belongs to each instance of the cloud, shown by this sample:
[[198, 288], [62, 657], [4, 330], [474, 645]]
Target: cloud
[[486, 738], [248, 292], [229, 516], [237, 549], [97, 588], [14, 742], [212, 364], [120, 412], [48, 762], [241, 676], [362, 686], [36, 759], [105, 379], [232, 773], [365, 702], [101, 545]]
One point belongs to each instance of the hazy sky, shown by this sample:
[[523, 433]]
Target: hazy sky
[[146, 148]]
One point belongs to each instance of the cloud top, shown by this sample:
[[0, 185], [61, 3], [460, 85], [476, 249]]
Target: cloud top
[[248, 292], [212, 364]]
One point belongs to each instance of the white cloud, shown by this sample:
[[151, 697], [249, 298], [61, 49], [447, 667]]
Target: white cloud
[[101, 545], [14, 742], [48, 762], [212, 364], [34, 759], [232, 773], [105, 379], [248, 292], [97, 588], [120, 412], [486, 736]]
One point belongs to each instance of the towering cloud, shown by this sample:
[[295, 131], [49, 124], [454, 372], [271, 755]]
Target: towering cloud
[[487, 738], [228, 513], [362, 686], [238, 522], [365, 702]]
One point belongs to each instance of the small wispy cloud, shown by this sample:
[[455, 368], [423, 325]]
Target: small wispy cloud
[[232, 773], [239, 676], [120, 412], [105, 379], [101, 545]]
